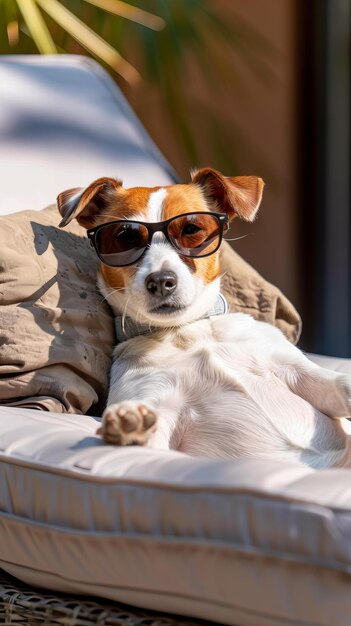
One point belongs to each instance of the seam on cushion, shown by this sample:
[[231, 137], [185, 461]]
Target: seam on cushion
[[175, 543], [171, 487], [140, 483], [201, 600], [278, 619]]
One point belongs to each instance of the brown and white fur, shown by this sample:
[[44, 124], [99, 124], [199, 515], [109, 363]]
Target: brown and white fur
[[225, 386]]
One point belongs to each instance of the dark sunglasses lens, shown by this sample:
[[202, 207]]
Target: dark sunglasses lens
[[121, 243], [195, 234]]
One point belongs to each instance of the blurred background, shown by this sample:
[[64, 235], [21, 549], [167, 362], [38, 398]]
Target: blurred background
[[256, 87]]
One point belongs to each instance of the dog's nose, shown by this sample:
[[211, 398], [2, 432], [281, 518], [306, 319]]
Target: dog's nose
[[161, 283]]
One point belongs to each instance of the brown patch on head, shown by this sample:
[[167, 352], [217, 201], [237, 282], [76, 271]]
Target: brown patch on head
[[183, 199], [136, 200]]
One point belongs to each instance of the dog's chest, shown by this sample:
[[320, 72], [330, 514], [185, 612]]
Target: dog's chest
[[222, 351], [225, 352]]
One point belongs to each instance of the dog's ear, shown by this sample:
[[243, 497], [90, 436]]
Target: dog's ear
[[87, 204], [239, 196]]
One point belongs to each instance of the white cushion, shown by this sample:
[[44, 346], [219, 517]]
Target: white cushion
[[335, 363], [64, 123], [238, 542]]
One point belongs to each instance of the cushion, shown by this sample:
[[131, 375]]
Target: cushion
[[56, 330], [244, 542], [63, 123]]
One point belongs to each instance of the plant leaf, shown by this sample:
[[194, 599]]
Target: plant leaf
[[89, 39], [130, 12], [37, 26]]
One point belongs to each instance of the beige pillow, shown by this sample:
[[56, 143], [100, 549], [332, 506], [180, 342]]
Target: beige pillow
[[56, 331], [247, 292]]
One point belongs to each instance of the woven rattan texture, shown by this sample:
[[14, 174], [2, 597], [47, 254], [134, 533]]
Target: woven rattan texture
[[19, 604]]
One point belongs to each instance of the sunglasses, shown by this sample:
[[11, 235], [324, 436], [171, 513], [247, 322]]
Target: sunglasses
[[194, 235]]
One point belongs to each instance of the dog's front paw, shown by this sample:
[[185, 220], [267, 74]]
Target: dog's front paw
[[128, 423]]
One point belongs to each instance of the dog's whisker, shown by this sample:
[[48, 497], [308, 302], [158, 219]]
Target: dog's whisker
[[116, 290], [106, 298], [114, 217], [110, 294], [237, 238], [124, 314]]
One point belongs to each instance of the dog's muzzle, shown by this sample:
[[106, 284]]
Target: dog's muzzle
[[161, 284]]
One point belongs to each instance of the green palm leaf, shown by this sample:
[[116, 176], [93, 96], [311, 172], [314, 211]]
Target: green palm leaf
[[37, 26], [89, 39], [27, 14], [130, 12]]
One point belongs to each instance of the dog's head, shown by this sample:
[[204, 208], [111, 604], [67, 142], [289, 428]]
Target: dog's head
[[159, 252]]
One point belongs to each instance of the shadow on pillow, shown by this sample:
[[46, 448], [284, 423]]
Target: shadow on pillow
[[57, 333]]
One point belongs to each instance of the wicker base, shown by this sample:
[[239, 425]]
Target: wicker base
[[19, 604]]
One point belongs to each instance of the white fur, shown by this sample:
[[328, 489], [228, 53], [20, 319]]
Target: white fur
[[232, 386], [229, 386], [155, 205]]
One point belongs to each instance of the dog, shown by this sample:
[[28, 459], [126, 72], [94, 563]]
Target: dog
[[186, 375]]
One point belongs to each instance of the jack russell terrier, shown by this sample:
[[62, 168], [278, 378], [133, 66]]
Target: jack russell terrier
[[186, 375]]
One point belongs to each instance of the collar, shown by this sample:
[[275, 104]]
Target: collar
[[129, 328]]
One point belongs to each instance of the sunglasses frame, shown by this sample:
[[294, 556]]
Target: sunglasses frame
[[155, 227]]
